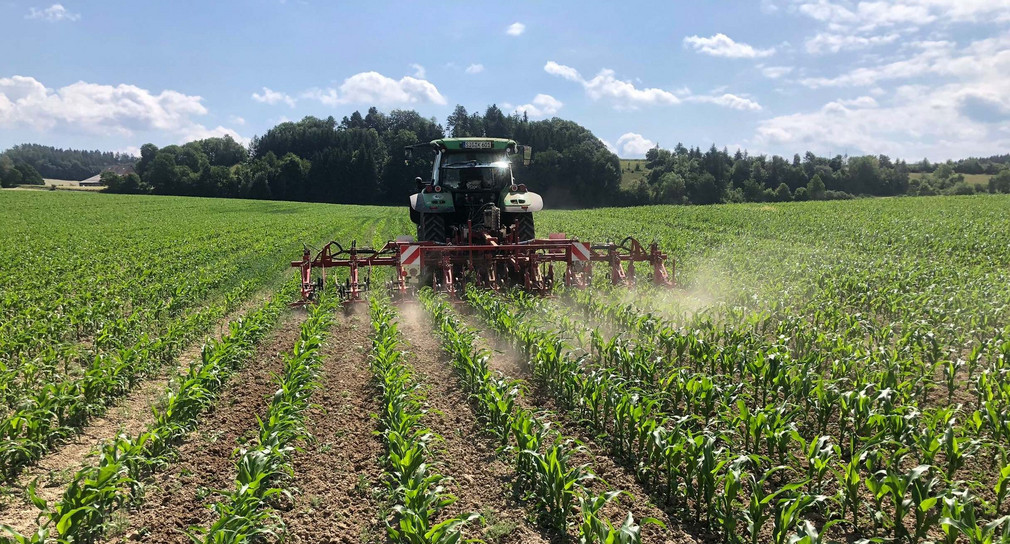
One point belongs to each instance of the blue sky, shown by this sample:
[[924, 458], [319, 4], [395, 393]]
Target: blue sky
[[907, 78]]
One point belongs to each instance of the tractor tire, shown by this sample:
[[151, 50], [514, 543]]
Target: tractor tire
[[431, 228], [526, 230]]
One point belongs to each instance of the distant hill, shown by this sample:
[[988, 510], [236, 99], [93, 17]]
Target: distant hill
[[69, 164]]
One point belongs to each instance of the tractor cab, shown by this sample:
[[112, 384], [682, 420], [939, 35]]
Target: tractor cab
[[473, 171], [472, 190]]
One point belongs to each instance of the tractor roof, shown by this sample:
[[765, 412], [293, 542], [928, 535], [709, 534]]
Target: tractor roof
[[466, 144]]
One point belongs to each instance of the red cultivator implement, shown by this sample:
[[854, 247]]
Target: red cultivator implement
[[484, 261]]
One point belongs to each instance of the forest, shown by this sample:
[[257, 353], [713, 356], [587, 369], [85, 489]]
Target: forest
[[359, 160]]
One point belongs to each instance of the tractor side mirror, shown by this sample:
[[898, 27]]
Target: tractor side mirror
[[408, 154], [526, 152]]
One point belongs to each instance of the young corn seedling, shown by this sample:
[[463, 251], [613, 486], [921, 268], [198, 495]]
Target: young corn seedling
[[557, 483], [959, 516]]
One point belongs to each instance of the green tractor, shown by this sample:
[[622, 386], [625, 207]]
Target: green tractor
[[472, 192]]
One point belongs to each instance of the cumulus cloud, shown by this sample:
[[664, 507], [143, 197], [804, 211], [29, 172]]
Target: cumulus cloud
[[775, 72], [866, 16], [364, 88], [981, 58], [624, 94], [726, 100], [543, 105], [566, 72], [918, 121], [632, 144], [327, 97], [375, 88], [475, 68], [929, 93], [269, 96], [53, 13], [833, 43], [101, 109], [515, 29], [418, 70], [721, 45]]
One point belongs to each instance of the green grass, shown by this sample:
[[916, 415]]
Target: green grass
[[980, 180], [632, 170]]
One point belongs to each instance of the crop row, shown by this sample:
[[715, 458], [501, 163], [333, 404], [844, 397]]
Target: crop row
[[51, 412], [117, 477], [543, 459], [890, 457], [245, 515], [415, 486]]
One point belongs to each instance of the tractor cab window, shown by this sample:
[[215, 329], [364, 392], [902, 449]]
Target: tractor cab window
[[475, 171]]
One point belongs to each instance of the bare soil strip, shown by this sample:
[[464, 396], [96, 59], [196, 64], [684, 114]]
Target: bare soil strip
[[337, 476], [482, 481], [611, 475], [176, 499], [131, 415]]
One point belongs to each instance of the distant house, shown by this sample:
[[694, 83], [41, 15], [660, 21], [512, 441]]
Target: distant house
[[119, 169], [93, 181]]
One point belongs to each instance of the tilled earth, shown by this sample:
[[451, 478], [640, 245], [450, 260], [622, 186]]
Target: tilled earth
[[177, 498], [481, 480], [337, 476]]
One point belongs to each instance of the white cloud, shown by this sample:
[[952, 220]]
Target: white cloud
[[632, 144], [237, 120], [931, 93], [721, 45], [950, 121], [566, 72], [326, 97], [775, 72], [365, 88], [515, 29], [375, 88], [543, 105], [131, 150], [53, 13], [475, 68], [610, 147], [727, 100], [101, 109], [605, 85], [979, 59], [624, 94], [418, 70], [272, 97], [828, 42], [866, 16], [199, 132]]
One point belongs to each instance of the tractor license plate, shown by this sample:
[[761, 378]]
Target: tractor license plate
[[475, 145]]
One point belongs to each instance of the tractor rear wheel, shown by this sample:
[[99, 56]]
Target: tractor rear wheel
[[526, 231], [431, 228]]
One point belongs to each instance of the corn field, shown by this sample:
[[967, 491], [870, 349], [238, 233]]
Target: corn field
[[823, 372]]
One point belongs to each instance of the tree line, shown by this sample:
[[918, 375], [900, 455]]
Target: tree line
[[17, 173], [359, 160], [690, 176], [69, 164]]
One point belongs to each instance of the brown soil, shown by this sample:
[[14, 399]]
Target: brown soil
[[637, 499], [481, 481], [131, 415], [176, 500], [337, 476]]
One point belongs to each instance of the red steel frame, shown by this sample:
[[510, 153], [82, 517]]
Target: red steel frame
[[487, 262]]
